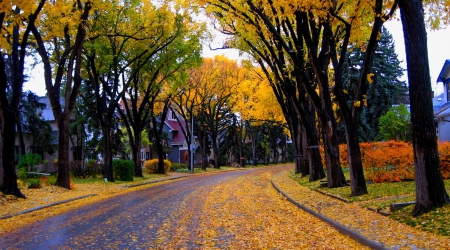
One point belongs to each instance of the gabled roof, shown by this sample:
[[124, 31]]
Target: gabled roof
[[178, 137], [444, 76], [47, 113], [444, 110]]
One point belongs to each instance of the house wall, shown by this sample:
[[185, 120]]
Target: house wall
[[174, 155], [48, 165], [443, 129]]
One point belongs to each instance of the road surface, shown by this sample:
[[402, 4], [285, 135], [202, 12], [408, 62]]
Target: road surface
[[230, 210]]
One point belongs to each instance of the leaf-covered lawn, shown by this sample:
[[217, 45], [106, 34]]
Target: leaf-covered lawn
[[381, 195], [393, 234]]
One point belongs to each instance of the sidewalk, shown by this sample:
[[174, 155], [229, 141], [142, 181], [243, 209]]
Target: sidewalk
[[367, 227]]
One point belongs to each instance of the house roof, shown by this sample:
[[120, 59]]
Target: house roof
[[444, 110], [178, 137], [47, 113], [444, 76]]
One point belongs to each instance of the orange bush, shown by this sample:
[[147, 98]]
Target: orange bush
[[444, 156], [391, 161]]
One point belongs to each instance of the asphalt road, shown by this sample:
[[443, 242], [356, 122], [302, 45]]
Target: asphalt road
[[228, 210], [138, 220]]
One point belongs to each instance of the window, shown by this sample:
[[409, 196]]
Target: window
[[447, 86], [172, 115]]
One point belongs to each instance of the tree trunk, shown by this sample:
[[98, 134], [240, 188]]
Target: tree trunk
[[137, 152], [107, 153], [275, 152], [160, 150], [63, 179], [204, 153], [1, 161], [255, 160], [9, 169], [335, 176], [21, 139], [316, 171], [430, 188], [161, 160], [216, 153], [204, 160], [357, 180]]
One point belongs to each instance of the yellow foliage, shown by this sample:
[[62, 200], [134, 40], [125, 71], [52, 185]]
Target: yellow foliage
[[370, 77], [152, 166]]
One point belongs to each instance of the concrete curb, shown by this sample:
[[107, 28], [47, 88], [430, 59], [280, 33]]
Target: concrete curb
[[343, 229], [46, 206]]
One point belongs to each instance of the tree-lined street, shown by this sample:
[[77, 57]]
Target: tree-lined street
[[238, 209]]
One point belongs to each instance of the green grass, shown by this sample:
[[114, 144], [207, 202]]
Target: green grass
[[382, 195]]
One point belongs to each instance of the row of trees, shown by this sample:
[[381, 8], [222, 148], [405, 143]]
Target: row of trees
[[304, 46], [108, 64], [102, 51], [316, 56]]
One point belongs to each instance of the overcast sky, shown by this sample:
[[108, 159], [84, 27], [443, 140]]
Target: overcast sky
[[438, 52]]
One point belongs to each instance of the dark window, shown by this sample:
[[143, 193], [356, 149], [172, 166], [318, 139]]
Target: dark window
[[447, 85]]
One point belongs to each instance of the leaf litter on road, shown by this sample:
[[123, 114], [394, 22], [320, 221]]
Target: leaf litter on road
[[247, 213]]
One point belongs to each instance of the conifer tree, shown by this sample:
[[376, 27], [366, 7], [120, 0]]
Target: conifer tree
[[385, 89]]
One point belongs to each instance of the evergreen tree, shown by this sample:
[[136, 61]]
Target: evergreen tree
[[34, 126], [385, 88]]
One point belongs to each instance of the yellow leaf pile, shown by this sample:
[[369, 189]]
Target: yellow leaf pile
[[247, 213]]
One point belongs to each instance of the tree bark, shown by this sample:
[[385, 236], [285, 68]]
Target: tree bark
[[63, 179], [9, 170], [107, 153], [9, 109], [430, 189], [160, 151], [137, 149], [215, 152], [21, 139], [335, 176], [357, 180]]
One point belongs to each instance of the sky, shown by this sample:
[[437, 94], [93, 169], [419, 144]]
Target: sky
[[438, 52]]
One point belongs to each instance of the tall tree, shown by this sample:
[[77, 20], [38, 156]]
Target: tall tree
[[288, 37], [385, 87], [215, 96], [177, 49], [122, 44], [14, 41], [430, 188], [184, 103], [60, 41], [157, 126]]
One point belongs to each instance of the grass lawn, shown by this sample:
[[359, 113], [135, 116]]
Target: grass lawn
[[381, 195]]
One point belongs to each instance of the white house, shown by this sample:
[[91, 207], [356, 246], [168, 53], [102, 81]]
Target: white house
[[442, 110]]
